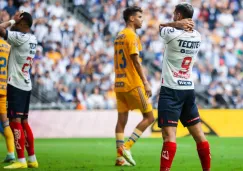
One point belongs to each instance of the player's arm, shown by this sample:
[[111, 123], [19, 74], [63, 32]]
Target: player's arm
[[5, 25], [185, 24], [138, 66]]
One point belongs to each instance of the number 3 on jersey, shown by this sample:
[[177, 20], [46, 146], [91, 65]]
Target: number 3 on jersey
[[120, 55], [3, 64]]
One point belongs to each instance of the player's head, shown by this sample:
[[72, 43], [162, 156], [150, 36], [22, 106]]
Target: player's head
[[133, 15], [24, 24], [182, 11]]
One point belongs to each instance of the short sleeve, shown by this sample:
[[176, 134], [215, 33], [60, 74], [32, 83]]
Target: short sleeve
[[16, 38], [134, 45], [166, 33]]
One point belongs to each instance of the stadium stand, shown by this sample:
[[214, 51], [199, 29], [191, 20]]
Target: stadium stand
[[73, 67]]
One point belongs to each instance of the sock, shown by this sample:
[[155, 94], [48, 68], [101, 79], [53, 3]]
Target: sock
[[32, 158], [119, 142], [167, 155], [9, 139], [22, 160], [133, 138], [18, 139], [203, 150], [29, 143]]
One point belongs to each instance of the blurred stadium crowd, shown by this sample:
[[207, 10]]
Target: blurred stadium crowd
[[73, 67]]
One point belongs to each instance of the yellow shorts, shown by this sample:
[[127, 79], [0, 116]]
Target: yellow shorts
[[134, 99], [3, 104]]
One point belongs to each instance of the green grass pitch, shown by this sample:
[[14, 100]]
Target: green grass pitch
[[99, 154]]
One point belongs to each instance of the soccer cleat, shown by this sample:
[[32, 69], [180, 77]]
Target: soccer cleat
[[121, 161], [17, 165], [9, 159], [33, 164], [126, 154]]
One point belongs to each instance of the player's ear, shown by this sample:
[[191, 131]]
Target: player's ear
[[132, 18], [179, 16]]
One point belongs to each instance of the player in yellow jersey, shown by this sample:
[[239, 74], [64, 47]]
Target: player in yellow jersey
[[131, 86], [4, 53]]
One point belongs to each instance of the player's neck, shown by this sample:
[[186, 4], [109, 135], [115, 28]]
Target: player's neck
[[24, 30], [131, 26]]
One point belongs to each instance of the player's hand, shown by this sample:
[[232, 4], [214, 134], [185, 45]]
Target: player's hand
[[185, 24], [17, 17], [147, 89]]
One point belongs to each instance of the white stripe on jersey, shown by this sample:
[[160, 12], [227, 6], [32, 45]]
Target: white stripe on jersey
[[181, 49], [23, 49]]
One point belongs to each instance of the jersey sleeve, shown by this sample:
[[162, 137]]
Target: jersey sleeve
[[167, 33], [16, 38], [133, 45]]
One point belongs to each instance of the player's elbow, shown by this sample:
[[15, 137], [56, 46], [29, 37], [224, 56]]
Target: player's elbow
[[2, 32]]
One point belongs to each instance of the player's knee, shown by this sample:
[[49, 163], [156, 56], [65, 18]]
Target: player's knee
[[197, 133], [169, 138], [121, 123], [151, 120], [149, 117], [169, 135], [200, 137]]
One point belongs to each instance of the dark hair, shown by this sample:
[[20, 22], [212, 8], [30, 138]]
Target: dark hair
[[185, 9], [27, 18], [129, 11]]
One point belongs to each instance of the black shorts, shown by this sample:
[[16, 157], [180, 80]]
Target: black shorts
[[177, 104], [18, 102]]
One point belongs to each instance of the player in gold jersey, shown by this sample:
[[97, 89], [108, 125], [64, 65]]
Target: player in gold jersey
[[131, 86], [4, 53]]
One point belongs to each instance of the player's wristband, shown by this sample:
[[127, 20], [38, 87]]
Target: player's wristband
[[12, 22]]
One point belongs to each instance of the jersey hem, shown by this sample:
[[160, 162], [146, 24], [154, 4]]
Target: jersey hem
[[128, 90], [176, 88], [19, 87]]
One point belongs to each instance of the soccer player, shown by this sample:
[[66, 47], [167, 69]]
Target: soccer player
[[177, 97], [7, 132], [131, 86], [23, 49]]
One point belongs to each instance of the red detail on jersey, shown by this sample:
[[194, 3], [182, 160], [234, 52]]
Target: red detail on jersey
[[162, 80], [185, 65], [29, 64], [181, 75]]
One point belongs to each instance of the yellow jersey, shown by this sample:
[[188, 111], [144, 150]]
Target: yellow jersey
[[127, 77], [4, 53]]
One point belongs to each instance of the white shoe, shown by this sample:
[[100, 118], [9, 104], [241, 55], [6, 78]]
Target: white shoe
[[127, 155], [121, 161]]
